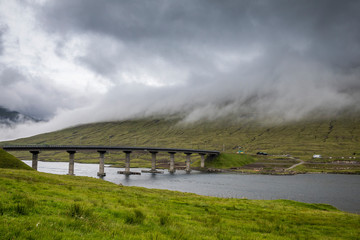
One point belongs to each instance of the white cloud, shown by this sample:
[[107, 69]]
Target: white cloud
[[34, 52]]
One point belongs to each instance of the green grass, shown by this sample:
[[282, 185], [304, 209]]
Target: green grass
[[9, 161], [328, 168], [229, 160], [38, 205]]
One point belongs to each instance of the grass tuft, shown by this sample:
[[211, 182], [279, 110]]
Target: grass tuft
[[135, 217], [164, 218], [21, 209], [78, 211], [2, 209]]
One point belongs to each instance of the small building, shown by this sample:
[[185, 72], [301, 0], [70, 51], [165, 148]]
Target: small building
[[317, 156]]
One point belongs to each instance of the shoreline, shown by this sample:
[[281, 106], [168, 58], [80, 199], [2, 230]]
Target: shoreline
[[236, 170]]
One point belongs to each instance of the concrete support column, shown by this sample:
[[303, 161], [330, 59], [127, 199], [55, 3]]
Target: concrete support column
[[127, 162], [71, 162], [172, 162], [101, 172], [153, 161], [127, 165], [188, 161], [202, 163], [153, 164], [35, 155]]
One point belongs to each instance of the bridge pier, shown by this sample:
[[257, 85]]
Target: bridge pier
[[127, 165], [172, 162], [101, 172], [202, 163], [35, 156], [188, 161], [71, 162], [153, 163], [127, 161]]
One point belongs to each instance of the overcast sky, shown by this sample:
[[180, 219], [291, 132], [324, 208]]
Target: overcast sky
[[79, 61]]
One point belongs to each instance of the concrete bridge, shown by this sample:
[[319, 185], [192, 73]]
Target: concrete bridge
[[72, 149]]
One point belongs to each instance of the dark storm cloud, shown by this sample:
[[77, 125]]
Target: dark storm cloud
[[282, 57], [325, 26]]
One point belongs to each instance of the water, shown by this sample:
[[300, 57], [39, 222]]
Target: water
[[341, 191]]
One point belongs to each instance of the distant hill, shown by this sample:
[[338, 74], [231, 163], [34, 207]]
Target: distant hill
[[8, 117], [332, 137], [9, 161]]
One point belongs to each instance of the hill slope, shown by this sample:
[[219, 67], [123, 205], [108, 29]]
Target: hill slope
[[337, 137], [9, 161]]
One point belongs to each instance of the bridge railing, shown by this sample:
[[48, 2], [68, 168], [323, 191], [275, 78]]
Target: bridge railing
[[102, 148]]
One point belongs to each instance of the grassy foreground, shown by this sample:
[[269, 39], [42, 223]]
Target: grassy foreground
[[38, 205]]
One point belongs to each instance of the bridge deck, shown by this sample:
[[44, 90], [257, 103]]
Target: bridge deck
[[101, 148]]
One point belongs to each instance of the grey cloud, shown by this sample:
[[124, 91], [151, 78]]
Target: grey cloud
[[2, 31], [10, 76], [1, 44], [278, 57], [34, 97], [216, 23]]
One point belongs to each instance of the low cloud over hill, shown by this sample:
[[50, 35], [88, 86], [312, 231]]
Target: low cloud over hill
[[75, 62]]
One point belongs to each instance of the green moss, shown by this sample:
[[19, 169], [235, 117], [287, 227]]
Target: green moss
[[9, 161]]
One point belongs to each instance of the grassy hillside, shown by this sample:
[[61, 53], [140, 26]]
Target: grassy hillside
[[9, 161], [337, 137], [230, 160], [37, 205]]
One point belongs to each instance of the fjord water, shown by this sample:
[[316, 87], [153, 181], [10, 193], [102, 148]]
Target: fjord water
[[341, 191]]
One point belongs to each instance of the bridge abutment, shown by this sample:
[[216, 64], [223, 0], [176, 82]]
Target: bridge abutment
[[71, 162], [35, 156], [101, 172]]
